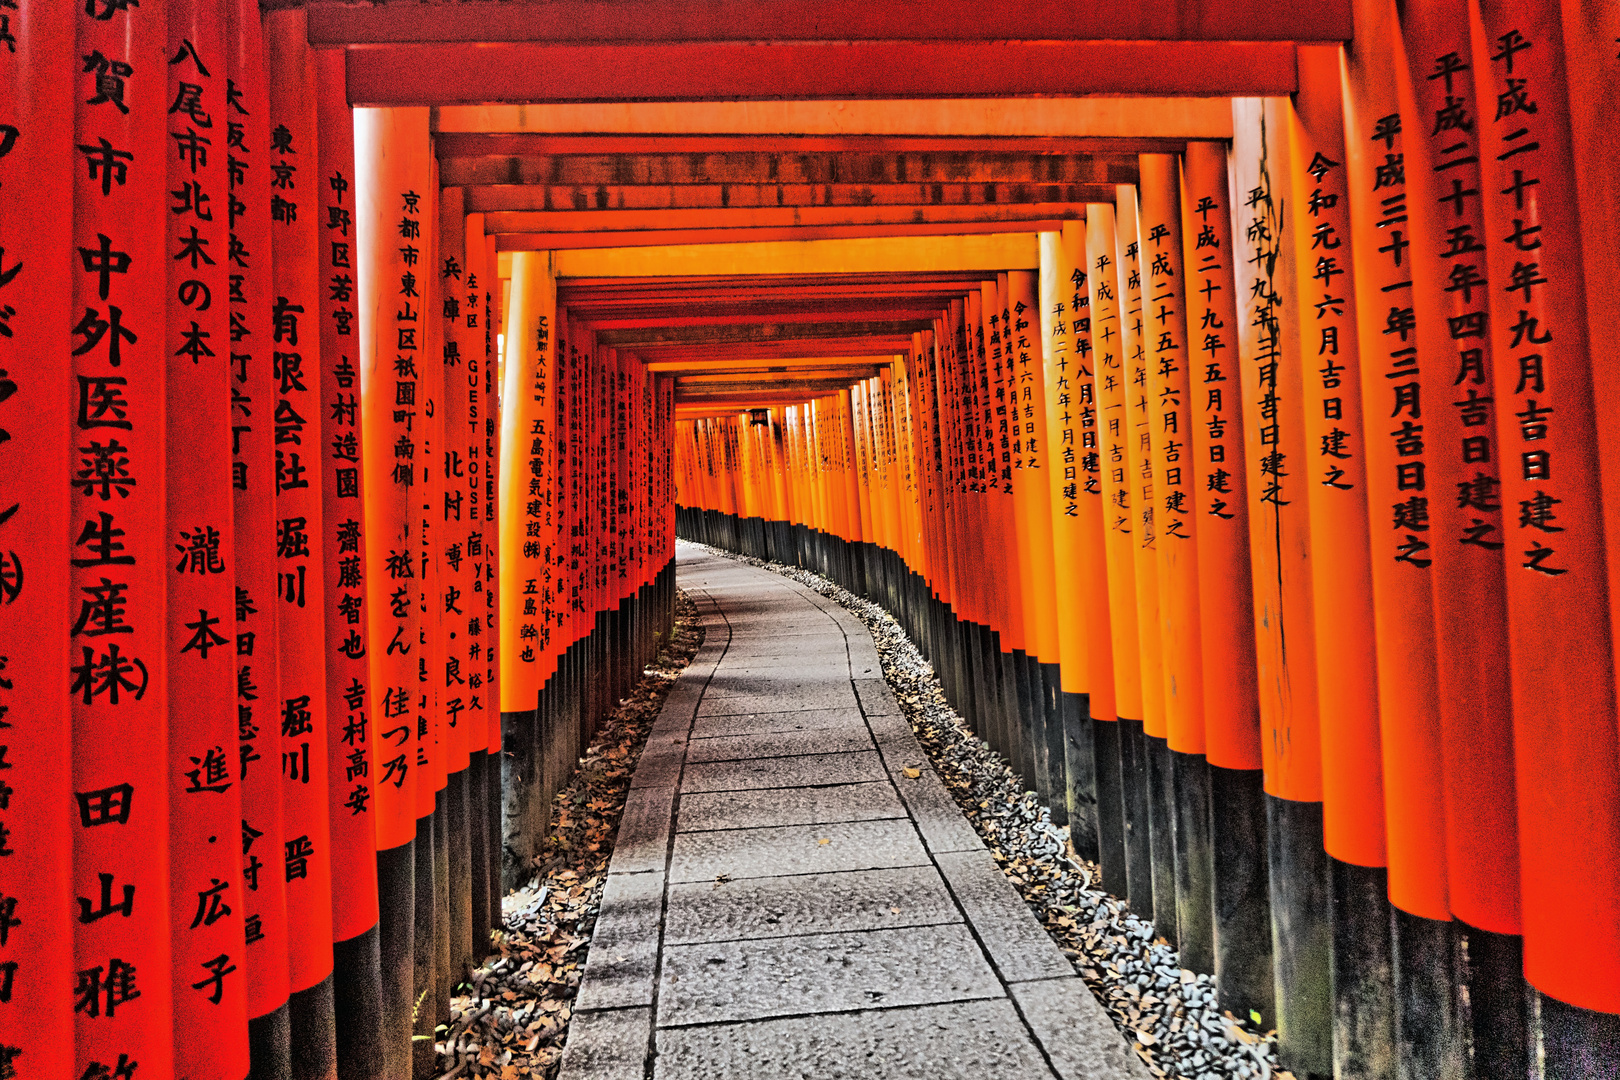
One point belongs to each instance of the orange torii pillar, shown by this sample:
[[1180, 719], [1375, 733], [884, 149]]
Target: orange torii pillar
[[121, 555], [1071, 424], [1108, 345], [1335, 478], [391, 162], [960, 600], [1271, 377], [464, 728], [954, 613], [205, 805], [254, 469], [351, 781], [1143, 760], [1028, 400], [1566, 739], [433, 939], [1165, 292], [1427, 1032], [1243, 977], [1000, 520], [528, 459], [483, 288], [1468, 575], [38, 401], [298, 417]]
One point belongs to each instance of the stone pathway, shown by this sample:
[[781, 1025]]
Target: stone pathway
[[794, 894]]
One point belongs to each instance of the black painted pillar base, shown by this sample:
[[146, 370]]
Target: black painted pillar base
[[494, 791], [396, 949], [422, 955], [1499, 1004], [518, 772], [1363, 972], [478, 852], [1057, 782], [1243, 976], [1133, 776], [1023, 748], [1080, 772], [270, 1046], [1106, 738], [1039, 777], [1301, 937], [1006, 729], [312, 1022], [461, 840], [357, 998], [441, 910], [1162, 835], [1429, 1028], [1577, 1043], [1195, 863]]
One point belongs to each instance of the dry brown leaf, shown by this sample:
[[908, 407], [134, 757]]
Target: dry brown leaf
[[912, 774], [824, 841]]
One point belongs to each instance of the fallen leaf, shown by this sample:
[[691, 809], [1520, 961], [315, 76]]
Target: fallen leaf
[[912, 774], [824, 841], [895, 910]]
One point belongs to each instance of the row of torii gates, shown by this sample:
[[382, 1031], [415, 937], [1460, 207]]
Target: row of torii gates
[[1212, 388]]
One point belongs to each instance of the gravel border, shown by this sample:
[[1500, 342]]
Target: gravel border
[[1167, 1012], [511, 1019]]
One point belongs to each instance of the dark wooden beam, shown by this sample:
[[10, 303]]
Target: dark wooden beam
[[1013, 216], [756, 333], [467, 73], [518, 159], [663, 238], [820, 20], [499, 143], [598, 198]]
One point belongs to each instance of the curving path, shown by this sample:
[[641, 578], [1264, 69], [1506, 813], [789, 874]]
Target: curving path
[[794, 894]]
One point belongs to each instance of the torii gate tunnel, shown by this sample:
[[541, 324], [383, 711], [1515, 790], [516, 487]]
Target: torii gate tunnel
[[1212, 388]]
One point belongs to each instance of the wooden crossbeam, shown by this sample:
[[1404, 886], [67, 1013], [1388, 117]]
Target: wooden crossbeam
[[756, 333], [761, 237], [476, 72], [518, 159], [847, 20], [775, 217], [601, 198]]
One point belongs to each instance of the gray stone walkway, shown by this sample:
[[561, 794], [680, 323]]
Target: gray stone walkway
[[794, 894]]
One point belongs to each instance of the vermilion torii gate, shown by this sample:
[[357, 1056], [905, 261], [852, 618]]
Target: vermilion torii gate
[[353, 359]]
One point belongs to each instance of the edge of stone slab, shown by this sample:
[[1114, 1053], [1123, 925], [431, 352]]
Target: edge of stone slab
[[621, 968], [1078, 1037], [611, 1044], [642, 842], [876, 697], [1018, 944]]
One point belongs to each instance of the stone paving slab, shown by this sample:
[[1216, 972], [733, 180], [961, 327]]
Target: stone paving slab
[[966, 1041], [610, 1045], [785, 744], [785, 900], [748, 980], [623, 959], [795, 849], [876, 698], [1075, 1032], [720, 810], [724, 702], [709, 727], [782, 772], [1018, 945], [642, 842], [809, 904]]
